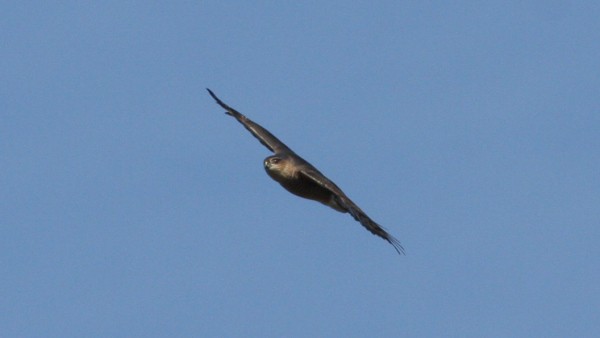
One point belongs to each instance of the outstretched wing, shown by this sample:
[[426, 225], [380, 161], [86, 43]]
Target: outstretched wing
[[353, 209], [263, 135]]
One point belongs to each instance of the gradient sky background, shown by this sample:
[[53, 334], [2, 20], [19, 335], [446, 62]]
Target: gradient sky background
[[131, 206]]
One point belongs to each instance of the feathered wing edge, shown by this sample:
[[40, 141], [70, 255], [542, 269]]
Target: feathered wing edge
[[264, 136], [353, 209], [371, 225]]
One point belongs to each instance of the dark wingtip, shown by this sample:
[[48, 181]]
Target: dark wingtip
[[213, 95], [392, 240], [221, 103], [396, 244]]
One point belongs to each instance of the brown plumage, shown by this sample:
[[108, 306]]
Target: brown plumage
[[300, 178]]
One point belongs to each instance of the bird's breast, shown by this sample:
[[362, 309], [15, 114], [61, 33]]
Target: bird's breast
[[306, 188]]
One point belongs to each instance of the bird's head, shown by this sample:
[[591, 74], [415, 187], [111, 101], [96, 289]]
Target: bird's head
[[278, 166], [274, 162]]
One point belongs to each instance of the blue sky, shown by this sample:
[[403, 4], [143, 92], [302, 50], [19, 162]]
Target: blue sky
[[131, 206]]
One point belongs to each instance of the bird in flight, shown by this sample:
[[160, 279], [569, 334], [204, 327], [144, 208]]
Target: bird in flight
[[300, 178]]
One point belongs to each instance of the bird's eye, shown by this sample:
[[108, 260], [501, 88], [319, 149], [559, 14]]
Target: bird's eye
[[275, 160]]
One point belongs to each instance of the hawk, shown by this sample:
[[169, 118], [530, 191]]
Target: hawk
[[302, 179]]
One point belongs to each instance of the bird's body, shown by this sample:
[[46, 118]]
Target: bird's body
[[293, 181], [302, 179]]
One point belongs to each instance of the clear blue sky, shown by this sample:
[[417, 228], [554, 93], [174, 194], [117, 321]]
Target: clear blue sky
[[131, 206]]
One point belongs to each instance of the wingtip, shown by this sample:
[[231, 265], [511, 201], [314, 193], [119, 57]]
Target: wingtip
[[396, 244], [229, 111], [219, 102], [212, 94]]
